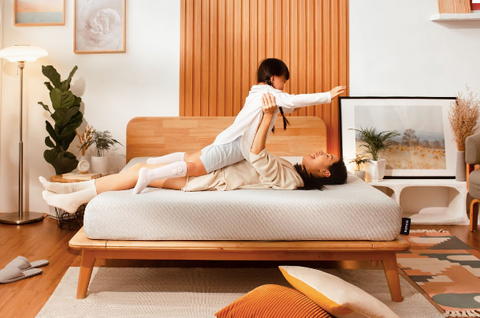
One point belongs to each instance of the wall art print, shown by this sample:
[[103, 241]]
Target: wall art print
[[39, 12], [99, 26], [425, 147]]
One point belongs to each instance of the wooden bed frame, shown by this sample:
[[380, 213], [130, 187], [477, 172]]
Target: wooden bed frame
[[155, 136]]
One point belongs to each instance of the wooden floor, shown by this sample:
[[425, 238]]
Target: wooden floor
[[44, 240]]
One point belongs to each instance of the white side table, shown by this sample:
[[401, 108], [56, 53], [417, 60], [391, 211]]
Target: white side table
[[429, 201]]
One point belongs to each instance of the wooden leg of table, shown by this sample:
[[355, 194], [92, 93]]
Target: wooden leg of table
[[474, 215], [88, 260], [390, 267]]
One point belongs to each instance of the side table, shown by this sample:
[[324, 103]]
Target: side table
[[65, 220], [429, 201]]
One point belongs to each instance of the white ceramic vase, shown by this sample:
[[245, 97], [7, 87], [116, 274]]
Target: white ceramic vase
[[100, 165], [375, 170]]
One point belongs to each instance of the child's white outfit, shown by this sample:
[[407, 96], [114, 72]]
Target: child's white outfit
[[234, 143]]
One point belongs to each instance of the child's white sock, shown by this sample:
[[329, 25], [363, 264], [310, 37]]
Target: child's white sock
[[173, 170], [176, 156], [69, 202], [58, 187]]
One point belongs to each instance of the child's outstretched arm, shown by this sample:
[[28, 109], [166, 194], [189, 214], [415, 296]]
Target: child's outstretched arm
[[290, 102]]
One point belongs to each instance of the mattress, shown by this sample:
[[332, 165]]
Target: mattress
[[352, 211]]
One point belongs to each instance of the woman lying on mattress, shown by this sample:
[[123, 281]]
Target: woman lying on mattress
[[234, 143], [264, 171]]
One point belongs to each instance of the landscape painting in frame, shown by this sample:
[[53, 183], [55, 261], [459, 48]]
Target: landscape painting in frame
[[39, 12], [424, 148], [99, 26]]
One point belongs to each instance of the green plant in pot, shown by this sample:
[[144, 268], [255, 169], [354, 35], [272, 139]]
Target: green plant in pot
[[103, 142], [359, 160], [374, 142], [67, 118]]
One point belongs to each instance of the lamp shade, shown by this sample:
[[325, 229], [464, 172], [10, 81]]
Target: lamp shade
[[24, 53]]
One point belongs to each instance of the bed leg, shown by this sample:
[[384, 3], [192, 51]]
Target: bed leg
[[390, 267], [86, 268]]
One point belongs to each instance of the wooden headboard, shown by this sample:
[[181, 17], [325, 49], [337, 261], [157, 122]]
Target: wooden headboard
[[157, 136]]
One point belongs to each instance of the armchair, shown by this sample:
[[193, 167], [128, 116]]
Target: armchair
[[472, 158]]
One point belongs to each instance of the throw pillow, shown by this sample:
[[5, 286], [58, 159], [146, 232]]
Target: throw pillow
[[335, 295], [273, 301]]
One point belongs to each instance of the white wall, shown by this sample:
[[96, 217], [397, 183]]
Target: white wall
[[114, 87], [395, 50]]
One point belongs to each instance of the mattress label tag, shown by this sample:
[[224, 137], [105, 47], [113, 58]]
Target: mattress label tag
[[405, 226]]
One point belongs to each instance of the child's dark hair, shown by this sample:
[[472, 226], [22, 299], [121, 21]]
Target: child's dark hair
[[273, 67], [338, 175]]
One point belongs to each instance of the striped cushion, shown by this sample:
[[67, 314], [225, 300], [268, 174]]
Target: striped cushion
[[273, 301]]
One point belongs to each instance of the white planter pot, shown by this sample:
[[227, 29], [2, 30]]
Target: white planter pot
[[375, 170], [100, 165], [360, 173]]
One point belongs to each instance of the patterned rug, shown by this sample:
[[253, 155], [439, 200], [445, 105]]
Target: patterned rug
[[447, 269]]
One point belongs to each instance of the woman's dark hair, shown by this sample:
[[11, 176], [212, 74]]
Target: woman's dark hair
[[338, 175], [273, 67]]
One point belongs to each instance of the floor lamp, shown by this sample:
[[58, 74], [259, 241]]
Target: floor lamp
[[21, 54]]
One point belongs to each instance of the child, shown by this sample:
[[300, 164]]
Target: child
[[234, 143]]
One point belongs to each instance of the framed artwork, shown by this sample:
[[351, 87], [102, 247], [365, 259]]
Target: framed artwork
[[39, 12], [99, 26], [425, 147]]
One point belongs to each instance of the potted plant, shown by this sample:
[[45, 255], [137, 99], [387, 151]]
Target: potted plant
[[463, 116], [359, 160], [67, 117], [103, 141], [374, 142]]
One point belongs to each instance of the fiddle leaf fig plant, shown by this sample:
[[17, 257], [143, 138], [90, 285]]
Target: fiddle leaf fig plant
[[67, 118]]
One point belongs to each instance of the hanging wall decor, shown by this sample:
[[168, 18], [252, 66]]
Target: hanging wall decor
[[39, 12], [99, 26]]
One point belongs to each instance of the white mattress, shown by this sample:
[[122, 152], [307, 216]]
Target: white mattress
[[353, 211]]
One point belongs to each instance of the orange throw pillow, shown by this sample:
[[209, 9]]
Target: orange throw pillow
[[273, 301]]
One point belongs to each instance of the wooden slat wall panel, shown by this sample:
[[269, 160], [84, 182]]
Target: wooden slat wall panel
[[223, 42]]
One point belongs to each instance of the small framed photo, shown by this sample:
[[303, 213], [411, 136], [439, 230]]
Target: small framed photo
[[39, 12], [99, 26], [424, 147]]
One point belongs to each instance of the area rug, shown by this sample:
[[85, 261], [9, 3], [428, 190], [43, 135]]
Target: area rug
[[199, 292], [446, 268]]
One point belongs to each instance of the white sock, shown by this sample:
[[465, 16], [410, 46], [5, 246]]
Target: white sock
[[58, 187], [69, 202], [176, 156], [173, 170]]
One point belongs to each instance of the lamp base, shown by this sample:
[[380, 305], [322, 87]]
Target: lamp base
[[28, 217]]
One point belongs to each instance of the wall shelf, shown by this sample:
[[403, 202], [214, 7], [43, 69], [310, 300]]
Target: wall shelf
[[475, 16]]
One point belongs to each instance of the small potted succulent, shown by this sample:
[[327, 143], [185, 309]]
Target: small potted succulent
[[359, 160], [103, 142]]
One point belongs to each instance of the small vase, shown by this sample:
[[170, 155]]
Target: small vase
[[461, 167], [100, 165]]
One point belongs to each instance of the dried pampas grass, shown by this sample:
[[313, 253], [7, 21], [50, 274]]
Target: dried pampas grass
[[463, 116]]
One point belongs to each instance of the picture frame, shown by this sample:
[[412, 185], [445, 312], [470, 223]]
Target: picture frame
[[99, 26], [39, 12], [426, 150]]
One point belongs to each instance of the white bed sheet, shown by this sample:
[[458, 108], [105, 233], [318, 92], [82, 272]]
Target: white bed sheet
[[353, 211]]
